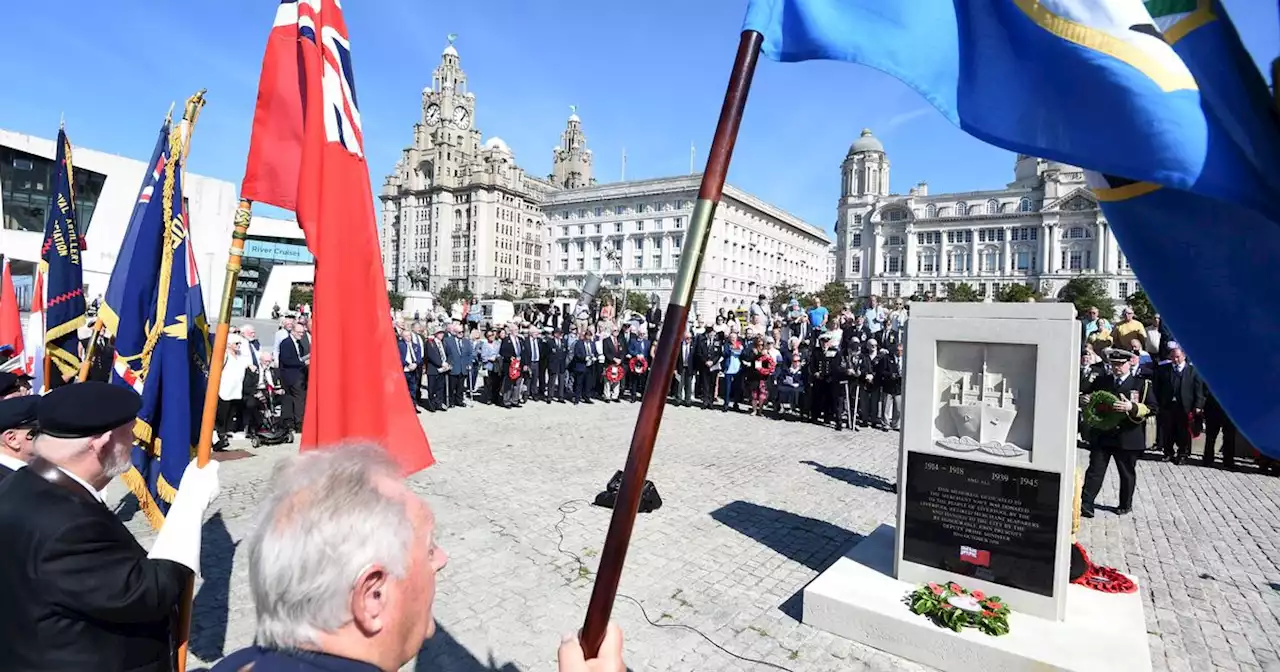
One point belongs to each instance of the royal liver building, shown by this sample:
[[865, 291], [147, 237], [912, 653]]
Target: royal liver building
[[459, 211], [1042, 229]]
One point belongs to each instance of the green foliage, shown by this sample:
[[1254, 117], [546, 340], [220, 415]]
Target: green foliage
[[782, 293], [1098, 414], [531, 292], [1088, 293], [449, 295], [933, 601], [637, 302], [1017, 293], [396, 299], [962, 292], [300, 294], [1143, 310], [834, 296]]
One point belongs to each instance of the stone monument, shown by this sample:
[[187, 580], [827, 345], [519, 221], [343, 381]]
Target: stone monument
[[986, 480]]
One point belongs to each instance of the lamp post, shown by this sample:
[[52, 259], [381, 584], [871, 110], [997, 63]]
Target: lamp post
[[615, 256]]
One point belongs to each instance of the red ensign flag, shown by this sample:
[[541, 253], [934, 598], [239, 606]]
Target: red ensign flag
[[10, 322], [307, 154]]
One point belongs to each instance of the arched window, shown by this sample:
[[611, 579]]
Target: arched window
[[962, 209], [931, 210], [993, 207], [1024, 205]]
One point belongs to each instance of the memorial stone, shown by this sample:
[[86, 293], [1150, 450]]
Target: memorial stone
[[988, 450]]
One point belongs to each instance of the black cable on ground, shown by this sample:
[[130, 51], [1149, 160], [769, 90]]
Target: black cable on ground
[[569, 507]]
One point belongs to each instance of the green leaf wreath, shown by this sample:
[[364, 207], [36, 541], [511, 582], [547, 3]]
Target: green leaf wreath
[[949, 605], [1098, 413]]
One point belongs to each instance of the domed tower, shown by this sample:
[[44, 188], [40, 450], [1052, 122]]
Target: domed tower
[[571, 161], [866, 168]]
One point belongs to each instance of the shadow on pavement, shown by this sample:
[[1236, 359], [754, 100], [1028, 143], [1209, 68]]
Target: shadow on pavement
[[858, 479], [443, 653], [811, 542], [210, 607]]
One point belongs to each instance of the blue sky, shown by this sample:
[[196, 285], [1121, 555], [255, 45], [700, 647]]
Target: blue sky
[[646, 76]]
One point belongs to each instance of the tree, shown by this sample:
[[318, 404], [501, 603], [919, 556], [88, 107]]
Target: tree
[[782, 293], [396, 299], [834, 296], [962, 292], [637, 303], [300, 294], [449, 295], [1017, 293], [1088, 293], [1143, 310], [604, 294]]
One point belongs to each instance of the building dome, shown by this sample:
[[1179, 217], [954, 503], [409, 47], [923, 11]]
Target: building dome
[[450, 51], [866, 143], [573, 118], [496, 143]]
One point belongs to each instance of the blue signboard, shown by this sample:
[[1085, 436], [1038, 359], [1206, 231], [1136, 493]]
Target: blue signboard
[[285, 252]]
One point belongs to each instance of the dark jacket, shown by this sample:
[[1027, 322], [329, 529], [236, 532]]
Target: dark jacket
[[705, 350], [292, 369], [890, 375], [1132, 432], [1179, 393], [557, 355], [613, 348], [434, 357], [78, 591], [584, 354], [686, 361], [458, 352]]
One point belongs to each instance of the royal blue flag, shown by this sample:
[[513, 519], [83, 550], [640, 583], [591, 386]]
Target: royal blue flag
[[1178, 137], [154, 308], [64, 276]]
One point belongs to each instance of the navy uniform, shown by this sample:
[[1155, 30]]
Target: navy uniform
[[259, 659], [78, 591], [19, 414], [1125, 443], [14, 384]]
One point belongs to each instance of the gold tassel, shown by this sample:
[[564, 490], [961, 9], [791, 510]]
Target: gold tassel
[[138, 486]]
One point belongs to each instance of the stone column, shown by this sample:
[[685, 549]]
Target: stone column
[[1100, 247], [1006, 262], [973, 254], [910, 265], [877, 249]]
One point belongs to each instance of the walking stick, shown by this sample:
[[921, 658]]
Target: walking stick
[[853, 419]]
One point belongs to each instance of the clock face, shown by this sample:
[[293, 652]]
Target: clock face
[[433, 114], [461, 118]]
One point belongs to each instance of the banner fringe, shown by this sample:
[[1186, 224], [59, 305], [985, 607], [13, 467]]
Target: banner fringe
[[138, 486]]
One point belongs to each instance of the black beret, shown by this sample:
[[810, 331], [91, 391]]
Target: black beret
[[11, 382], [18, 412], [87, 409]]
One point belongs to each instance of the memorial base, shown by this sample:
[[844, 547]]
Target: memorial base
[[858, 598]]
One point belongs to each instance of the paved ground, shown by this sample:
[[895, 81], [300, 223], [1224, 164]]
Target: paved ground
[[754, 509]]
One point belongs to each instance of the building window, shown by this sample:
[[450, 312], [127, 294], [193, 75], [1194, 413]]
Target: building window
[[931, 210], [856, 240], [599, 211], [1124, 291], [564, 248], [1124, 262], [855, 264], [962, 208], [857, 219], [896, 215], [580, 246], [1024, 261], [993, 207], [639, 261], [928, 263], [640, 225], [1024, 205], [597, 228], [581, 229], [894, 264], [618, 210], [991, 261], [679, 222], [564, 264]]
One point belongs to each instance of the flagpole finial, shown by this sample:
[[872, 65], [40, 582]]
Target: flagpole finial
[[62, 121], [168, 116], [451, 37]]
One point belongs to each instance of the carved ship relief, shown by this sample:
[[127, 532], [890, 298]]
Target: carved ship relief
[[981, 414]]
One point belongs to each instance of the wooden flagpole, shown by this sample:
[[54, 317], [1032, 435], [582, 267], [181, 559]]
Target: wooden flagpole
[[623, 521]]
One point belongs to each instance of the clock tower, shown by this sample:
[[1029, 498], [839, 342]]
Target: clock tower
[[571, 161], [448, 119]]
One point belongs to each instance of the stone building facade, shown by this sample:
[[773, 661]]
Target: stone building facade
[[1042, 230]]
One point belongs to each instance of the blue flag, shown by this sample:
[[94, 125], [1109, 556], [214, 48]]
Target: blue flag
[[60, 260], [1169, 114], [154, 308]]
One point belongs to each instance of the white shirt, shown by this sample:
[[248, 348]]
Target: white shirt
[[11, 462], [96, 495]]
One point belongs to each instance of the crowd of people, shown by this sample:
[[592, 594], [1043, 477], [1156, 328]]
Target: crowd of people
[[837, 369]]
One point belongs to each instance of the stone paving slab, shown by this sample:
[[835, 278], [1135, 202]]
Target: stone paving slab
[[753, 510]]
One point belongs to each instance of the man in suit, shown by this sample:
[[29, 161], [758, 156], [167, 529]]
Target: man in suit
[[890, 377], [615, 354], [581, 364], [1180, 398], [79, 593], [685, 372], [1126, 441], [706, 354], [461, 352], [410, 362], [419, 341], [17, 431], [295, 362], [439, 370], [512, 348], [533, 363], [653, 317], [557, 358]]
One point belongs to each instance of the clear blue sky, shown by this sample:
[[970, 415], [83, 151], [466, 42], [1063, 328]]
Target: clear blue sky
[[648, 76]]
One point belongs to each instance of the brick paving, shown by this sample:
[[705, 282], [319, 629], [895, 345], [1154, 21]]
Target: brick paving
[[753, 510]]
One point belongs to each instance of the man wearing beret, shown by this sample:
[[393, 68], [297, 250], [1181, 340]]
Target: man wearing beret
[[79, 593], [17, 428], [1126, 441], [14, 385]]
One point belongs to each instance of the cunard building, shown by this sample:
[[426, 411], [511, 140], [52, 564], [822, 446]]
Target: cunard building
[[1042, 229]]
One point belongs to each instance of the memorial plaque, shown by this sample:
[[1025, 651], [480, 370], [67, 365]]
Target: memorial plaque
[[994, 522]]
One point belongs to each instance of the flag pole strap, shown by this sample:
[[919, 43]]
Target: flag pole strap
[[696, 237], [89, 351]]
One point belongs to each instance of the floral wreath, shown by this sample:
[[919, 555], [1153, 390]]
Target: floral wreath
[[949, 605], [513, 369], [1098, 413], [639, 365], [613, 373], [765, 365]]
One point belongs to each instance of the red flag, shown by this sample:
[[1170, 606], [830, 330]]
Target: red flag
[[10, 324], [346, 400]]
